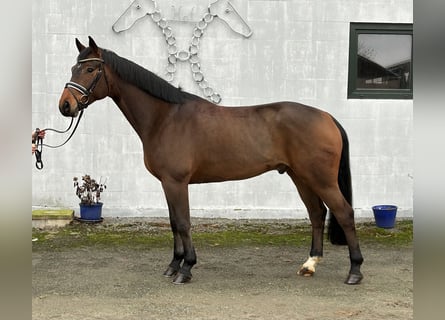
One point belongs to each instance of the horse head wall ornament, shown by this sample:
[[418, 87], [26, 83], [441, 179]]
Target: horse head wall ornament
[[221, 9]]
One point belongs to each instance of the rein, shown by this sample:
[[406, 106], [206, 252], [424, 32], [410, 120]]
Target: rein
[[40, 144]]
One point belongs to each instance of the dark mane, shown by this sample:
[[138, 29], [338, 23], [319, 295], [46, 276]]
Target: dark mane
[[142, 78]]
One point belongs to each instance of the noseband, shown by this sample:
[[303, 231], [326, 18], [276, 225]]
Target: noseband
[[84, 100]]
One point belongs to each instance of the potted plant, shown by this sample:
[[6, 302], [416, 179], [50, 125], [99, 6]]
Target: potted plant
[[89, 194]]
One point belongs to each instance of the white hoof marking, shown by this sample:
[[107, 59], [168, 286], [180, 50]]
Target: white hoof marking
[[308, 268]]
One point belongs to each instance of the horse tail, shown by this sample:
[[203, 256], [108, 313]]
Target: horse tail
[[335, 232]]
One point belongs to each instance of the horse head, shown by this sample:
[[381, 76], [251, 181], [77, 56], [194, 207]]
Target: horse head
[[226, 11], [137, 10], [85, 85]]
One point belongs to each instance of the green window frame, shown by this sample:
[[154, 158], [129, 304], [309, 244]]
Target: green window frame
[[380, 61]]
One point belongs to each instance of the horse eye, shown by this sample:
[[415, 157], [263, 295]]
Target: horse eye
[[90, 69], [138, 6]]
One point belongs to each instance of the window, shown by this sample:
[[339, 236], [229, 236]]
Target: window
[[380, 61]]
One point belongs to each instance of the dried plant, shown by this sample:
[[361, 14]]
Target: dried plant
[[89, 191]]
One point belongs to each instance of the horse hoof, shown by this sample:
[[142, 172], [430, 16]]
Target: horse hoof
[[354, 278], [182, 278], [305, 272], [170, 272]]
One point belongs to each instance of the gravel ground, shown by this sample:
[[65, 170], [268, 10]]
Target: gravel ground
[[256, 281]]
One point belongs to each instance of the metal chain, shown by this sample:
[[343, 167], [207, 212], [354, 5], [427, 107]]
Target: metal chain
[[190, 55]]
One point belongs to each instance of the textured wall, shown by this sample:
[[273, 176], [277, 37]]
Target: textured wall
[[298, 51]]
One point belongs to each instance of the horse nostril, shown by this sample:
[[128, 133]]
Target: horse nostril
[[66, 107]]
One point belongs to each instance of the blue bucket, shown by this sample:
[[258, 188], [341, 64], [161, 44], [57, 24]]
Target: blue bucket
[[385, 215], [91, 212]]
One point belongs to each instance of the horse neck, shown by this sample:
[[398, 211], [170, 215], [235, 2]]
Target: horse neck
[[143, 111]]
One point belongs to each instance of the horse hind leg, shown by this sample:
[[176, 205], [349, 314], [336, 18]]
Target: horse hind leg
[[317, 215], [344, 214]]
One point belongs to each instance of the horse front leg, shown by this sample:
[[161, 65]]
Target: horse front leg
[[178, 251], [179, 212]]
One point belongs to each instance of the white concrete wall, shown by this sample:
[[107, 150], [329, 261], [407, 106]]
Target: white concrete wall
[[298, 51]]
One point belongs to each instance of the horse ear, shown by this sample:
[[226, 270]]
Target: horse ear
[[93, 45], [79, 46]]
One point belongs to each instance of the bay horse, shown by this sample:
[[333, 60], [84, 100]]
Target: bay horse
[[187, 139]]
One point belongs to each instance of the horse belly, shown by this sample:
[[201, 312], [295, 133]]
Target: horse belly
[[236, 162], [225, 173]]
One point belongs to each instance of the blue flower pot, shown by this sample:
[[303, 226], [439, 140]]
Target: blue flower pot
[[385, 216], [91, 212]]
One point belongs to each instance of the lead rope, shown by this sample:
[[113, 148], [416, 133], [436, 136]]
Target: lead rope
[[40, 144]]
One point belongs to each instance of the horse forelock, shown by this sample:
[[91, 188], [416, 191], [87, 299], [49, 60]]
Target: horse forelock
[[84, 53]]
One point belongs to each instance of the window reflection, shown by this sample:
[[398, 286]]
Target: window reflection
[[384, 61]]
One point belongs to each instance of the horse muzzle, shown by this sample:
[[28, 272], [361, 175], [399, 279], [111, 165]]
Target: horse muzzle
[[70, 103], [67, 104], [67, 110]]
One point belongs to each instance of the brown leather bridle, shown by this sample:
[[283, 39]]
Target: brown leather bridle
[[83, 101]]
